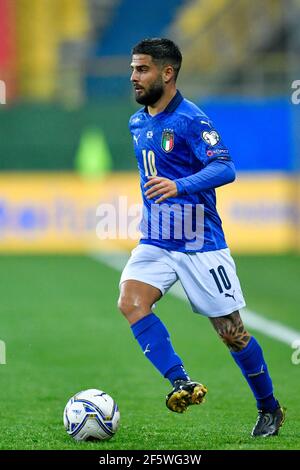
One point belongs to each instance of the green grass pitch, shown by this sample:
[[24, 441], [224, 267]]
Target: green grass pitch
[[63, 333]]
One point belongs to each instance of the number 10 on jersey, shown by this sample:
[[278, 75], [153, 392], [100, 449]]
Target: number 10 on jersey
[[149, 163]]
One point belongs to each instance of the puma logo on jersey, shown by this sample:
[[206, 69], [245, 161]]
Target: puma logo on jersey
[[136, 138]]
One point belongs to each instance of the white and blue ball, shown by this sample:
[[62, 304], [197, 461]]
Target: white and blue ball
[[91, 414]]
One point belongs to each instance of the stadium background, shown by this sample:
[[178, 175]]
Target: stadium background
[[65, 150]]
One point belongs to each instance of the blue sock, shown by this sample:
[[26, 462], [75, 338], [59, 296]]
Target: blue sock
[[254, 368], [154, 339]]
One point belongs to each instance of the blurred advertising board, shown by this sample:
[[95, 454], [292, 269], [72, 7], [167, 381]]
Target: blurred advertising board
[[64, 213]]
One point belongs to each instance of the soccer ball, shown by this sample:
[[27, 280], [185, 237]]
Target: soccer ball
[[91, 414]]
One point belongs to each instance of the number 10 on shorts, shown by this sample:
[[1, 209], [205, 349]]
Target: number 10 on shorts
[[221, 278]]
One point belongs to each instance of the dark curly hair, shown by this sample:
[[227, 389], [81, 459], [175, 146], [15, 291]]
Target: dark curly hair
[[163, 51]]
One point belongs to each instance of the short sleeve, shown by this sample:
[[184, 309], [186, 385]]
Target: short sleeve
[[205, 141]]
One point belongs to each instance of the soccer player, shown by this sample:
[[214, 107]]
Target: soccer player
[[181, 160]]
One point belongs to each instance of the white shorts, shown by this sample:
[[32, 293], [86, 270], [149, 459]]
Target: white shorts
[[209, 279]]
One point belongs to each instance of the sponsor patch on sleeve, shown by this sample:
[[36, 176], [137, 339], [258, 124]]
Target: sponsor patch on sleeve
[[217, 152]]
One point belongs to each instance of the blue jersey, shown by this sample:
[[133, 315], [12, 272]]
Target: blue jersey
[[174, 144]]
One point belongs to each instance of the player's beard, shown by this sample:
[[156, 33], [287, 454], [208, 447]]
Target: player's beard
[[153, 94]]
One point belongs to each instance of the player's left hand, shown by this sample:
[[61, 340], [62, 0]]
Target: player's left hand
[[160, 186]]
